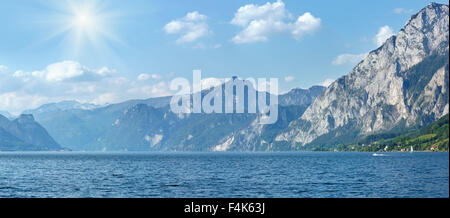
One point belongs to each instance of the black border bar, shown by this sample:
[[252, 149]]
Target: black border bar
[[273, 207]]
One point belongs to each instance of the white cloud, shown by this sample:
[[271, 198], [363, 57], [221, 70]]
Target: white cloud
[[11, 101], [350, 59], [403, 11], [105, 71], [65, 71], [383, 34], [327, 82], [305, 24], [3, 68], [190, 28], [144, 77], [289, 78], [269, 11], [83, 89], [260, 22], [159, 89], [195, 16]]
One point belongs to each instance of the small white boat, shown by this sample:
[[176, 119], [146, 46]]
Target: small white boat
[[377, 155], [412, 150]]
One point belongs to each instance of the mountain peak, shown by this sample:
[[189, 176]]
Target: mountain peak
[[428, 15], [24, 133], [435, 5]]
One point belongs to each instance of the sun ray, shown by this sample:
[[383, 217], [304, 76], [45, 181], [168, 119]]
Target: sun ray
[[83, 25]]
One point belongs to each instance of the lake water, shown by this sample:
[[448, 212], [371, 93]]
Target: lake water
[[285, 175]]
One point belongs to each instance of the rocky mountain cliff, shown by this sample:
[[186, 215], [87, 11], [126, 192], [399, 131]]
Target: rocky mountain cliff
[[300, 96], [402, 83], [24, 133], [260, 137], [140, 127]]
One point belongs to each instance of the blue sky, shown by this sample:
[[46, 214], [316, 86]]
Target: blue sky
[[109, 51]]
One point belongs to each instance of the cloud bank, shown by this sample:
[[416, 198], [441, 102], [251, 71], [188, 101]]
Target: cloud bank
[[69, 80]]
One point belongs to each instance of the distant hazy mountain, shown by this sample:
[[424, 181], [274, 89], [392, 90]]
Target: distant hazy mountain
[[401, 84], [7, 115], [80, 126], [26, 134], [150, 125], [61, 106], [143, 127]]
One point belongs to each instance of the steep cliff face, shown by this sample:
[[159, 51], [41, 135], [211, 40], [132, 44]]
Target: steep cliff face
[[29, 131], [260, 137], [404, 82], [300, 96], [139, 128], [24, 133]]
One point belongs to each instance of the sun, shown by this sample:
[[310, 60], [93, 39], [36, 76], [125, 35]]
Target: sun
[[86, 19], [84, 25], [83, 20]]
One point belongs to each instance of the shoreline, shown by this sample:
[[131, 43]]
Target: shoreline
[[208, 152]]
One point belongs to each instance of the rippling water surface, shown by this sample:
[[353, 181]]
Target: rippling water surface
[[299, 174]]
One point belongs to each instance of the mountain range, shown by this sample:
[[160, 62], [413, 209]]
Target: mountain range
[[402, 85], [150, 125]]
